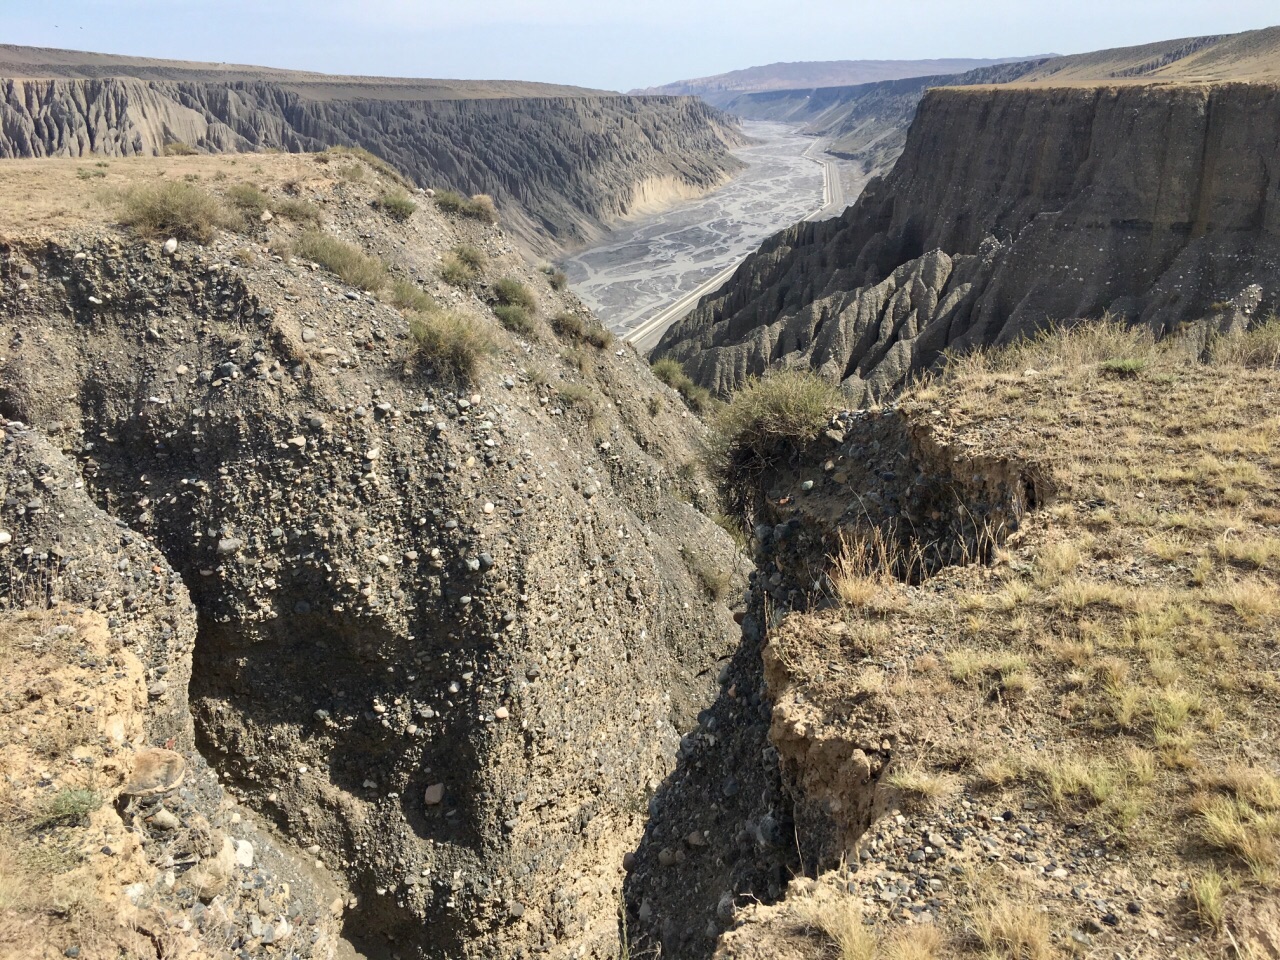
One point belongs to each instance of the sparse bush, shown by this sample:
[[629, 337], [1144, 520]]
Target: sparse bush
[[70, 806], [176, 148], [299, 211], [515, 318], [248, 199], [409, 296], [714, 580], [573, 327], [349, 262], [456, 273], [373, 160], [577, 395], [180, 210], [789, 408], [397, 205], [569, 325], [89, 173], [479, 207], [462, 266], [669, 371], [452, 344], [558, 280], [514, 293], [472, 257]]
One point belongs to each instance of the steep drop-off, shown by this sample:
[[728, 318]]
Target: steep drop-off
[[1011, 209], [447, 638], [561, 164]]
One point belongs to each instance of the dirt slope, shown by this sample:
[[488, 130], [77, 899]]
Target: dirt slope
[[447, 638]]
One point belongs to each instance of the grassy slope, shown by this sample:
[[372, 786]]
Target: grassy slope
[[1113, 678]]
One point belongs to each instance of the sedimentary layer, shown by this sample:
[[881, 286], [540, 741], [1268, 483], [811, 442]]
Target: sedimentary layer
[[1010, 210], [561, 164]]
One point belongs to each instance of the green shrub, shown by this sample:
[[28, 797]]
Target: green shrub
[[89, 173], [1124, 366], [70, 806], [472, 257], [409, 296], [456, 273], [349, 262], [299, 211], [179, 210], [669, 371], [248, 199], [397, 205], [515, 318], [450, 343], [764, 418], [176, 148], [514, 293]]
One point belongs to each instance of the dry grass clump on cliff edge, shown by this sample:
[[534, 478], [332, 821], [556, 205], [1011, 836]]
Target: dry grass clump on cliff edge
[[351, 264], [672, 374], [173, 209], [1110, 679], [397, 205], [480, 207], [785, 409]]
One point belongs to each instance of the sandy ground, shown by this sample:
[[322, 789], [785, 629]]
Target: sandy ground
[[652, 262]]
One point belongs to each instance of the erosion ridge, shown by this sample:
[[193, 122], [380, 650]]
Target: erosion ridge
[[561, 163], [1139, 200], [445, 642]]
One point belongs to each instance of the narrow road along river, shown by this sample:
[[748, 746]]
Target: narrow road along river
[[651, 262]]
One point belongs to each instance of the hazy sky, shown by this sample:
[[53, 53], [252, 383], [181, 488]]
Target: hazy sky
[[600, 43]]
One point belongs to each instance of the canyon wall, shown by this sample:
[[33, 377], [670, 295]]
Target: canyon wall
[[561, 168], [444, 639], [1013, 208]]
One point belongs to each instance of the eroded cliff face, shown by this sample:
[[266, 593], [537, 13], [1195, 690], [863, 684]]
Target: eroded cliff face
[[560, 168], [447, 639], [1012, 209]]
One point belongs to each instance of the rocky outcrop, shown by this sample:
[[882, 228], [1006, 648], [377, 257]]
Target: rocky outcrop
[[561, 168], [445, 641], [1012, 209]]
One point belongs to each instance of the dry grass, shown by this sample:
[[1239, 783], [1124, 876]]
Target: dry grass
[[181, 210], [452, 345], [397, 205], [669, 371], [1014, 930], [351, 264], [923, 784]]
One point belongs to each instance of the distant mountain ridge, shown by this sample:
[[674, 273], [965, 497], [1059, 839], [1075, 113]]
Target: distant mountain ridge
[[722, 88]]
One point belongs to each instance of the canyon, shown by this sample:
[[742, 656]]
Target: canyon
[[1148, 208], [562, 163], [362, 595]]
